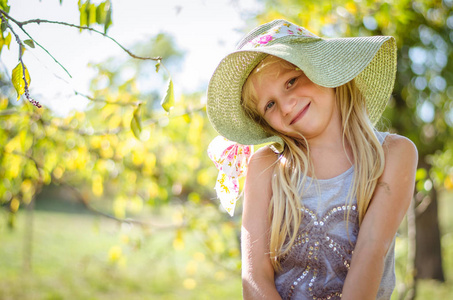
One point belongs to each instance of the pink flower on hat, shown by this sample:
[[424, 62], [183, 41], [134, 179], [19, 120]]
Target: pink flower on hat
[[264, 39]]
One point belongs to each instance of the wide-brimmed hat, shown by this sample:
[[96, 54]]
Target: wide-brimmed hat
[[328, 62]]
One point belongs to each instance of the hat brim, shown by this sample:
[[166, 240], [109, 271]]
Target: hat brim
[[326, 62]]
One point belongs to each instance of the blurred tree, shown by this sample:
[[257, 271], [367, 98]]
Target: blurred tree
[[135, 145], [422, 104]]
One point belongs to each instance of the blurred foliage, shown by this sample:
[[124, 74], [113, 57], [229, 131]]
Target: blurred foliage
[[138, 147], [137, 152], [97, 149]]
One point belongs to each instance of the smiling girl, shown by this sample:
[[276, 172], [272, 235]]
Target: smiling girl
[[324, 199]]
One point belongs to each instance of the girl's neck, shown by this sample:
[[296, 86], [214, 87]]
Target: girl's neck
[[329, 152]]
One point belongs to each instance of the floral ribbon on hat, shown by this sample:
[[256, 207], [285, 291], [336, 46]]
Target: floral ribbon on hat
[[276, 32], [231, 159]]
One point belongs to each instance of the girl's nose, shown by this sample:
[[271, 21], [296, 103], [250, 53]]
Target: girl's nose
[[287, 105]]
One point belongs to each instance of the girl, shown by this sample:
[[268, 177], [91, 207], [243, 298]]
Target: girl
[[322, 202]]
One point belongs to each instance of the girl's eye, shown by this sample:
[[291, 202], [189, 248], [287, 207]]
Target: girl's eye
[[291, 82], [269, 105]]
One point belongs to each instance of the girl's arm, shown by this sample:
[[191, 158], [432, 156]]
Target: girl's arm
[[257, 270], [387, 208]]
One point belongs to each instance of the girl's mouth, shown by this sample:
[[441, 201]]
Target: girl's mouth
[[300, 114]]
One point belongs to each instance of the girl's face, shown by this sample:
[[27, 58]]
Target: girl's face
[[292, 104]]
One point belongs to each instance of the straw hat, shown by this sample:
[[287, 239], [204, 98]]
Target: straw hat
[[328, 62]]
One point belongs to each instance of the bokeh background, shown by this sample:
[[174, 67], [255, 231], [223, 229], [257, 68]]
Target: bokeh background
[[105, 195]]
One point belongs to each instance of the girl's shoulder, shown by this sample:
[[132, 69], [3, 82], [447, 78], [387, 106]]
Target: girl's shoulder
[[397, 145], [259, 175], [262, 161], [401, 158]]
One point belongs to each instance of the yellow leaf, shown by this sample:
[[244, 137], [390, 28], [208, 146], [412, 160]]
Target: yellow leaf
[[169, 100], [14, 205], [199, 256], [115, 253], [18, 79], [58, 172], [448, 183], [191, 268], [97, 185], [8, 40], [135, 123], [187, 118], [189, 283], [3, 103], [178, 242], [119, 207], [91, 14], [351, 7]]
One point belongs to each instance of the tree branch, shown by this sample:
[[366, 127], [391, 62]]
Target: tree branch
[[84, 132], [87, 205], [21, 25], [21, 45], [39, 21], [32, 159], [136, 103], [24, 77]]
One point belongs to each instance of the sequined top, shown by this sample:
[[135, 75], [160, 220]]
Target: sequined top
[[318, 262]]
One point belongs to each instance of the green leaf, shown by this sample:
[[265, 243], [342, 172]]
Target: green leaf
[[18, 79], [29, 43], [101, 13], [83, 14], [157, 67], [4, 5], [135, 123], [5, 41], [108, 17], [420, 174], [8, 40], [91, 14], [169, 100], [187, 118]]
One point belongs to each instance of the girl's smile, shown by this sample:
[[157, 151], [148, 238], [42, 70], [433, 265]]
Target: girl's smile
[[300, 114]]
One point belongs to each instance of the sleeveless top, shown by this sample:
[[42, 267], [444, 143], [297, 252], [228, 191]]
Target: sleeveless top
[[317, 265]]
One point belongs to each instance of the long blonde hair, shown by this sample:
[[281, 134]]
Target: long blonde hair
[[293, 164]]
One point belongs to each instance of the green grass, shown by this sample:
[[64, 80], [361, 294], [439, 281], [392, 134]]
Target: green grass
[[71, 261]]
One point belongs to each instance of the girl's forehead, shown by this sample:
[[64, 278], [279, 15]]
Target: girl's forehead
[[274, 70]]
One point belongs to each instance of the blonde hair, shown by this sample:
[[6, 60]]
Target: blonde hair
[[293, 164]]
